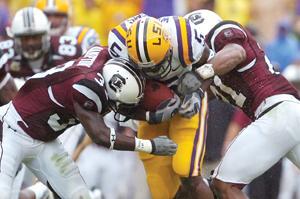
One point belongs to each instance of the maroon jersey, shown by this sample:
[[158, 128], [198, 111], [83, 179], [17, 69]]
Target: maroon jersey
[[62, 49], [45, 102], [252, 81]]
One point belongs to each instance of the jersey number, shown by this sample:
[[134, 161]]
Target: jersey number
[[238, 98], [55, 122]]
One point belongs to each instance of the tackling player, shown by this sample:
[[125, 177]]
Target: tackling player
[[241, 74], [164, 50], [81, 90]]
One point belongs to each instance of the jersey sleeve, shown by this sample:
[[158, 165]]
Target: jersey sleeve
[[188, 43], [90, 94], [224, 33], [6, 53]]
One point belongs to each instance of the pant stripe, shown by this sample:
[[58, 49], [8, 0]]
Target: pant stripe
[[199, 141]]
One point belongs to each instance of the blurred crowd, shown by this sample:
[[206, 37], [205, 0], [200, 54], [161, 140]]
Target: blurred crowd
[[276, 25]]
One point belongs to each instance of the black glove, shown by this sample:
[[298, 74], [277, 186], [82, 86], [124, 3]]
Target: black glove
[[165, 111], [188, 83], [191, 104], [162, 145]]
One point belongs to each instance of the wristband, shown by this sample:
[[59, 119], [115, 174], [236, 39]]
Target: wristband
[[143, 145], [112, 138], [147, 116], [206, 71]]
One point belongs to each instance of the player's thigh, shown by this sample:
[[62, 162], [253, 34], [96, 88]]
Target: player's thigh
[[53, 165], [163, 182], [190, 135], [256, 148], [149, 131]]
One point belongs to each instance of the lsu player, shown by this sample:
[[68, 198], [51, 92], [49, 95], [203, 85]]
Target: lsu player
[[59, 14], [164, 50]]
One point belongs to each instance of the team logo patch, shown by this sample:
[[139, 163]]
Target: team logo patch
[[228, 33], [116, 82]]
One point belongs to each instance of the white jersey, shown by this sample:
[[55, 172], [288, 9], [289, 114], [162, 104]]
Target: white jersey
[[85, 36], [188, 44]]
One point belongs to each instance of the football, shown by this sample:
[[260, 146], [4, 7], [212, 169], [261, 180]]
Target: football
[[155, 93]]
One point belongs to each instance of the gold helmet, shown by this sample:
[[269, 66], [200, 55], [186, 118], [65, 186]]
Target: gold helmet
[[58, 12], [149, 47], [54, 6]]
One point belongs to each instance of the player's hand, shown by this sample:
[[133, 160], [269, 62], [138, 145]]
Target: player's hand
[[191, 104], [188, 83], [162, 145], [164, 111]]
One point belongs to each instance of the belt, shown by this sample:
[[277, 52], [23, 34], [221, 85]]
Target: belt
[[268, 109]]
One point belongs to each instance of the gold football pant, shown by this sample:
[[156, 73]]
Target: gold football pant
[[164, 172]]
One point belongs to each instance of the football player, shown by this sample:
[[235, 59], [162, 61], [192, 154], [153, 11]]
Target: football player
[[241, 74], [164, 50], [31, 49], [59, 14], [82, 90]]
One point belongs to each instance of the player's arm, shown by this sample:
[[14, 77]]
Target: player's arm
[[8, 90], [228, 58], [108, 137]]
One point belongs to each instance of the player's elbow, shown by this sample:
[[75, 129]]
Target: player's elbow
[[238, 53]]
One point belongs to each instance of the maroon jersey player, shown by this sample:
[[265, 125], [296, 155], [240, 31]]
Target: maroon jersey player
[[61, 49], [241, 74], [51, 101], [31, 50]]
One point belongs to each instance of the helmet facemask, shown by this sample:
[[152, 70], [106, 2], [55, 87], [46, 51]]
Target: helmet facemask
[[160, 70], [30, 30], [33, 46]]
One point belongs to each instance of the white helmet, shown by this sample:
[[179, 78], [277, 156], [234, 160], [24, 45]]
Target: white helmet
[[124, 84], [30, 21], [205, 20]]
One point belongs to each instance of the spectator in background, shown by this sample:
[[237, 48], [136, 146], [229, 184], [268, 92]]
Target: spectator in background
[[265, 186], [237, 10], [4, 19], [103, 15], [158, 8], [284, 48]]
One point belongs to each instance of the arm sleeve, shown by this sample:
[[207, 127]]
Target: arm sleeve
[[89, 94], [224, 34]]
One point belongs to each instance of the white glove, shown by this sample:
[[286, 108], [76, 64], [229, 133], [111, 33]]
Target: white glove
[[190, 105], [165, 111]]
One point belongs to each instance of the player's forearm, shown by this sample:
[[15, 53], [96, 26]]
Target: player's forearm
[[108, 137], [8, 91], [228, 58]]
